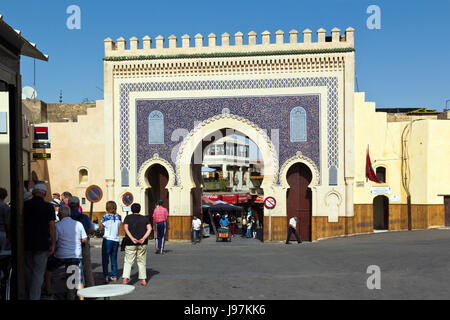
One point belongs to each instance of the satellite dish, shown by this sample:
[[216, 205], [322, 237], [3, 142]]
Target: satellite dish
[[28, 93]]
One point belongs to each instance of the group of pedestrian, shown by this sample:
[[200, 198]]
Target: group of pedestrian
[[57, 234]]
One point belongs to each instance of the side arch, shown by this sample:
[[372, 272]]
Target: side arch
[[143, 181], [302, 159]]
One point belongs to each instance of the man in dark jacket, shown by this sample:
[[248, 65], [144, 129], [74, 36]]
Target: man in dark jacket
[[40, 239], [74, 204]]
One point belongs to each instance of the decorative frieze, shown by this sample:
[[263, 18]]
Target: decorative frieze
[[251, 65]]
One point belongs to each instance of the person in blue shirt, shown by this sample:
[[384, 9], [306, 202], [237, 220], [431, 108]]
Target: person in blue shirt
[[224, 223]]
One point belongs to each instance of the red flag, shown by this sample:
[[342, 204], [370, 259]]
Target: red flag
[[370, 174]]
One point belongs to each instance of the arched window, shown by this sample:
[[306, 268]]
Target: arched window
[[298, 129], [156, 127], [83, 176], [381, 174]]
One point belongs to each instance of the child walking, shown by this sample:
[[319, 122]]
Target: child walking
[[111, 222]]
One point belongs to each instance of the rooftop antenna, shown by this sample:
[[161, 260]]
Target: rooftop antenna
[[446, 102], [34, 78]]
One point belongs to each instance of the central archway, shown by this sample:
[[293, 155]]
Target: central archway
[[203, 133]]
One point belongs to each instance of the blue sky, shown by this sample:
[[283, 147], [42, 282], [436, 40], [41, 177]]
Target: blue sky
[[404, 64]]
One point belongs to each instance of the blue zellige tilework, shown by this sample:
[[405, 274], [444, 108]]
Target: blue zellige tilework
[[269, 108]]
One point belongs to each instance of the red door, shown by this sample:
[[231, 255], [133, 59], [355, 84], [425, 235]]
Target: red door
[[299, 199]]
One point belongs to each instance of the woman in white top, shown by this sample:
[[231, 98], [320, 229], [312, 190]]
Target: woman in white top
[[111, 222]]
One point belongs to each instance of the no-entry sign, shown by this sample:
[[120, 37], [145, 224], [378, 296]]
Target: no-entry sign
[[270, 202]]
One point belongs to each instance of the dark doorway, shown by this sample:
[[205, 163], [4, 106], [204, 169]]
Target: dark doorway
[[447, 210], [158, 177], [299, 198], [381, 213]]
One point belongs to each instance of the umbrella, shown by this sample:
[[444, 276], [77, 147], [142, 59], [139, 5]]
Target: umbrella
[[206, 169]]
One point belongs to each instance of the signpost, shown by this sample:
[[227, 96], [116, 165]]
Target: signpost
[[270, 203], [94, 194]]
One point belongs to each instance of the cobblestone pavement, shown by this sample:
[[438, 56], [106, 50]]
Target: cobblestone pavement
[[414, 265]]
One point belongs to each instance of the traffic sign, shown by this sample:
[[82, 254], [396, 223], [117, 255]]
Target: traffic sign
[[94, 193], [127, 198], [270, 202]]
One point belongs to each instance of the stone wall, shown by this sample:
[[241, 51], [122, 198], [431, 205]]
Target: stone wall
[[64, 112]]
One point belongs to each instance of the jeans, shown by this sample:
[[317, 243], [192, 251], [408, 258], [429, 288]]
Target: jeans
[[196, 233], [249, 232], [140, 254], [160, 233], [293, 231], [35, 265], [109, 249]]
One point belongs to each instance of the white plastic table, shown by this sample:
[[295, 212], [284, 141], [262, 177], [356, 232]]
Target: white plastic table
[[105, 291]]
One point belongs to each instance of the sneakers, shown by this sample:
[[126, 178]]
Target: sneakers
[[125, 281], [143, 283]]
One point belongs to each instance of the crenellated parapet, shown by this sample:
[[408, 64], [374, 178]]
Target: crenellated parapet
[[200, 46]]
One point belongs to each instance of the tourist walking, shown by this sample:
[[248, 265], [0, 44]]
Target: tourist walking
[[137, 230], [292, 230], [110, 222], [70, 235], [75, 213], [4, 216], [40, 238], [160, 215], [196, 229]]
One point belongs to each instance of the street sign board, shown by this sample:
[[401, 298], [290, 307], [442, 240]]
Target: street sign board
[[41, 145], [270, 202], [94, 193], [127, 198], [41, 156], [41, 133]]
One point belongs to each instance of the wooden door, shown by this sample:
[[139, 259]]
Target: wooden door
[[447, 210], [299, 199]]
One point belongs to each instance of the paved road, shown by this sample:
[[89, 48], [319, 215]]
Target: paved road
[[414, 265]]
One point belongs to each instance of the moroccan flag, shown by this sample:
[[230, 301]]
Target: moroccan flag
[[370, 174]]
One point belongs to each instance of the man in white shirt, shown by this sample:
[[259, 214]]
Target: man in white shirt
[[196, 228], [292, 229], [70, 234]]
